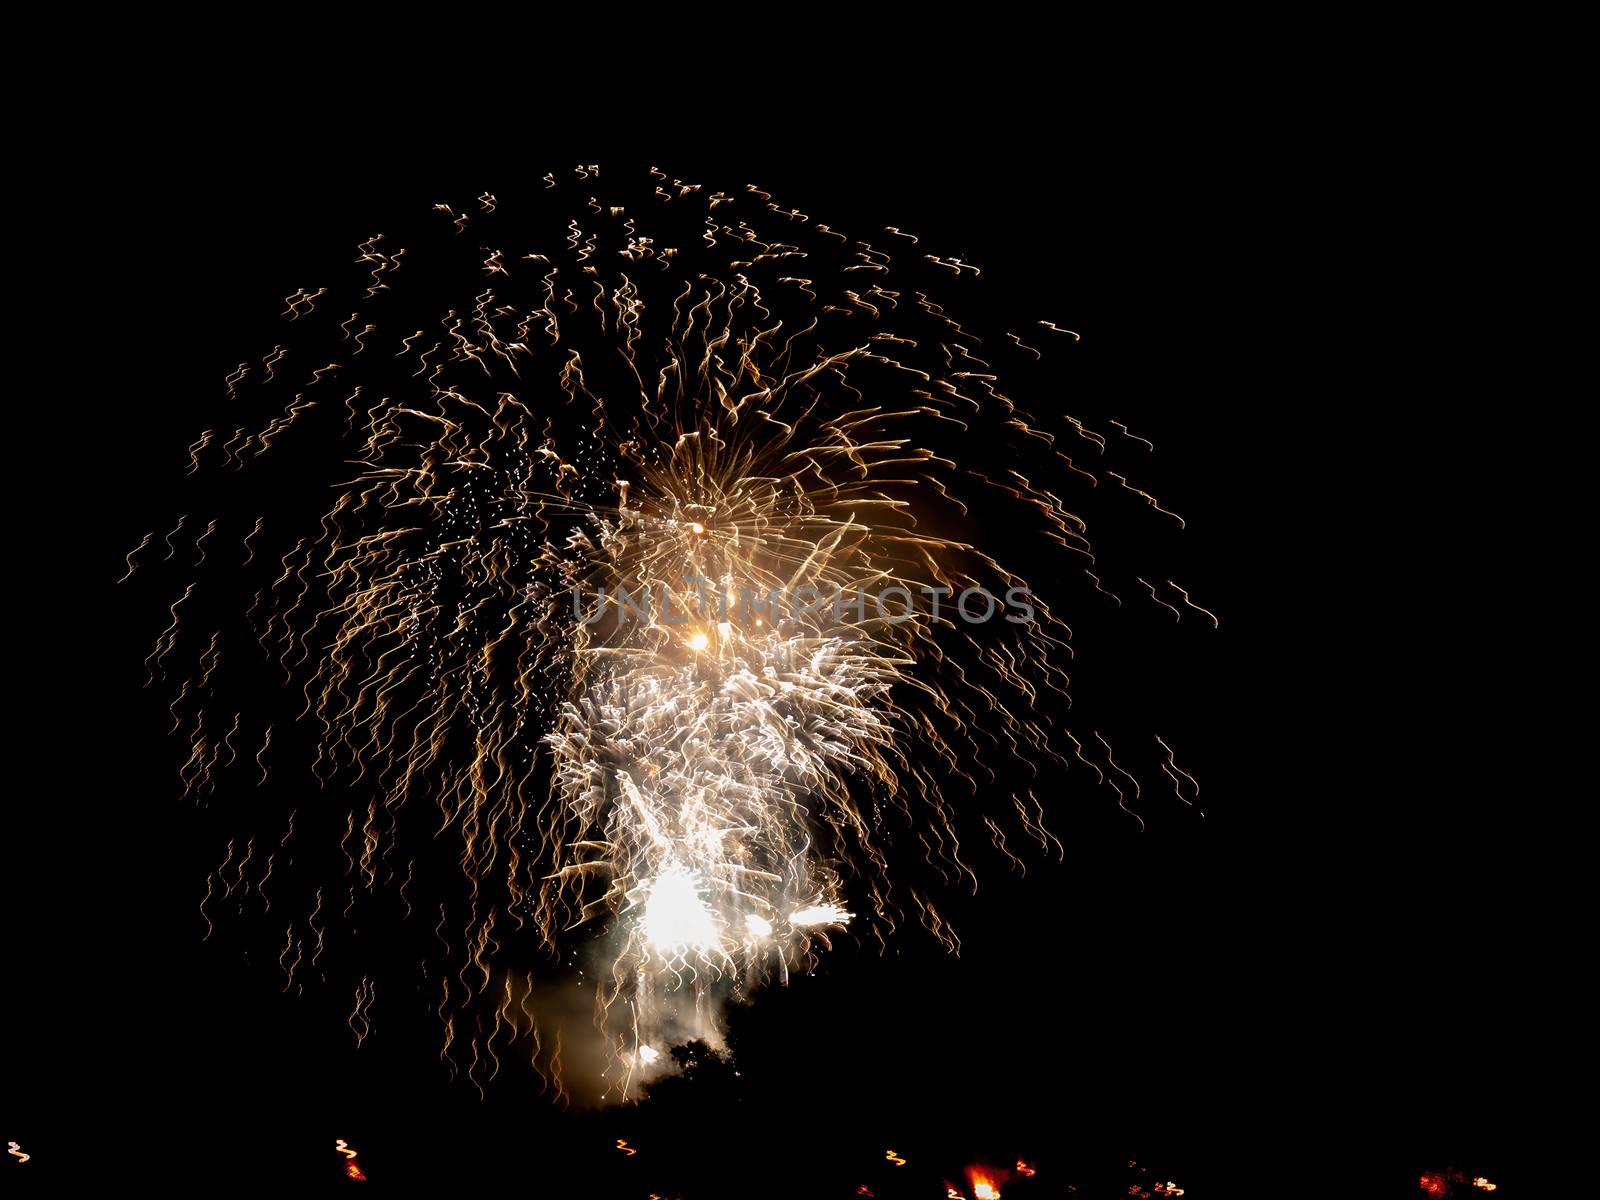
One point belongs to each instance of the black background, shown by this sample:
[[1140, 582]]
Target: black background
[[1310, 973]]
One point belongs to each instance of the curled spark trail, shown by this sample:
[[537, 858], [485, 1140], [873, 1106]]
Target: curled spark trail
[[629, 576], [132, 566]]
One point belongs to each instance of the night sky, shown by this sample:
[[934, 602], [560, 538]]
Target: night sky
[[1216, 999]]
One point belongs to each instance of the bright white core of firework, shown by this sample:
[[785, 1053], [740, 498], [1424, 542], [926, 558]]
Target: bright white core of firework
[[675, 917]]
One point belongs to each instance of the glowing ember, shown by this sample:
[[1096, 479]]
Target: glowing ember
[[351, 1167]]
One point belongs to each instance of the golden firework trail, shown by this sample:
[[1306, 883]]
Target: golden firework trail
[[614, 579]]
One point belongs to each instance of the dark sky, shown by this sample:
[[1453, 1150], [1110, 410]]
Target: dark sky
[[1180, 995]]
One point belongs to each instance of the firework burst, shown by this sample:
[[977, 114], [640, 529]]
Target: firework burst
[[617, 576]]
